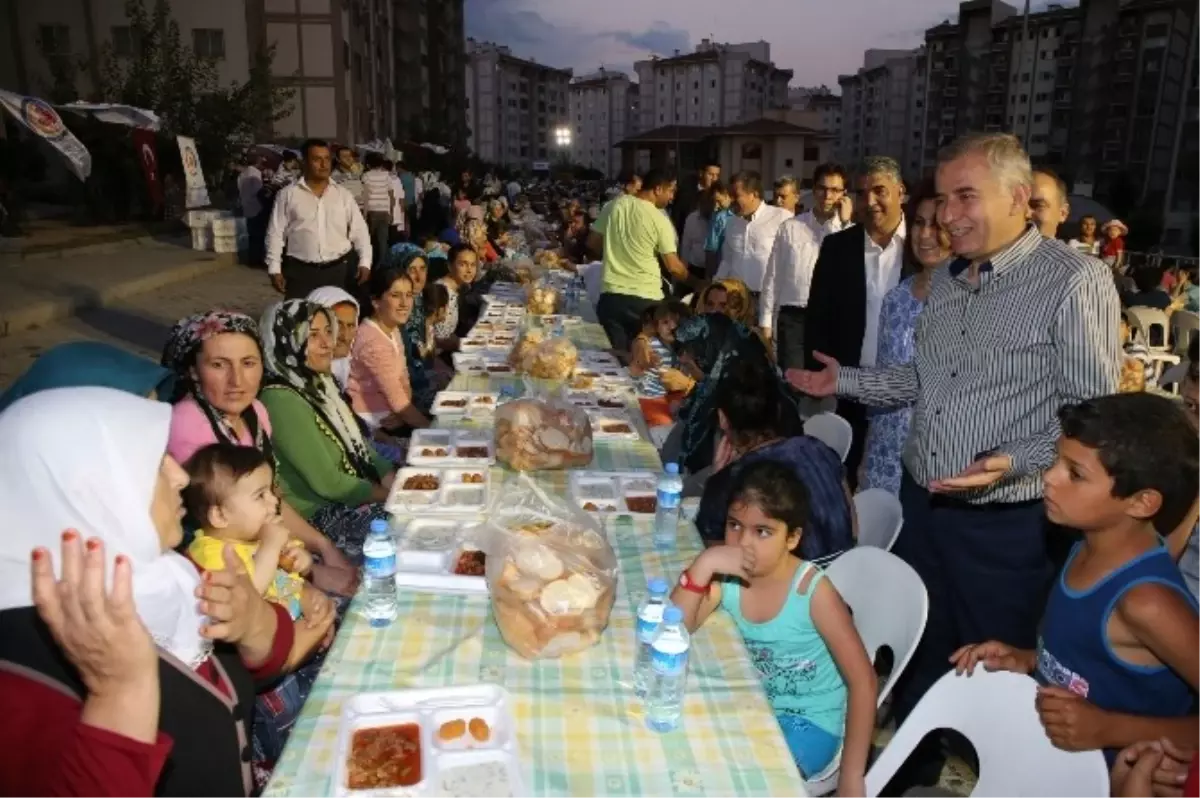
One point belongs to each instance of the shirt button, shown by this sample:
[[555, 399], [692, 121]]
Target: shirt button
[[964, 332], [937, 412], [932, 454], [954, 374]]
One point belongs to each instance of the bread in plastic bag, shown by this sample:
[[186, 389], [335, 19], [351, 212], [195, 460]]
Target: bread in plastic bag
[[535, 434], [524, 347], [551, 359], [542, 300], [551, 574]]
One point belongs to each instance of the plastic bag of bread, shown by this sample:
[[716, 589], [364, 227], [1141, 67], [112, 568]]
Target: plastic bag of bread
[[541, 300], [551, 574], [1133, 375], [524, 348], [535, 434], [551, 359]]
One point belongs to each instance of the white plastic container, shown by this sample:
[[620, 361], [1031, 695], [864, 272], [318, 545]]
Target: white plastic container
[[610, 424], [458, 492], [428, 554], [612, 492], [202, 239], [444, 447]]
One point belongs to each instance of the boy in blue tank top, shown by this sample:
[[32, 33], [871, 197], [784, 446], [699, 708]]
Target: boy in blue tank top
[[1117, 656]]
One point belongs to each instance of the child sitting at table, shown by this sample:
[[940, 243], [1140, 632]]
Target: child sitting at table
[[797, 629], [653, 363], [231, 494], [1117, 652]]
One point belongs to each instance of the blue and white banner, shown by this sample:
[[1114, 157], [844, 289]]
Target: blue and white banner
[[40, 118], [197, 191]]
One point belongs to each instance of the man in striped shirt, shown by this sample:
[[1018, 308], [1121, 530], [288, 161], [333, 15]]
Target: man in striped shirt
[[379, 200], [1016, 326]]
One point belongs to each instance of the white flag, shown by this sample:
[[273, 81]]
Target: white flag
[[197, 191], [40, 118]]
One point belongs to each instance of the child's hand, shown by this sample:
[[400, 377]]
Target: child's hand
[[728, 560], [994, 655], [315, 606], [1072, 723], [273, 535], [295, 558]]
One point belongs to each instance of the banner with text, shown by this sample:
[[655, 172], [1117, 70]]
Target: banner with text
[[40, 118], [197, 191]]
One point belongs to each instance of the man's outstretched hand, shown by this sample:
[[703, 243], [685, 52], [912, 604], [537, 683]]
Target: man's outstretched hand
[[816, 383]]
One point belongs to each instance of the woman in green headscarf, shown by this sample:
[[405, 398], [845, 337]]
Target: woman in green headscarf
[[83, 364]]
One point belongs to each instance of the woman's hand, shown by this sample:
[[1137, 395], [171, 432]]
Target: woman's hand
[[101, 634], [236, 612], [335, 574]]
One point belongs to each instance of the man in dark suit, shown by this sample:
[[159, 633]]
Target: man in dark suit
[[688, 197], [854, 271]]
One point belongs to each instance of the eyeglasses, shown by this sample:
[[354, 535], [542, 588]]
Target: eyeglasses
[[829, 190]]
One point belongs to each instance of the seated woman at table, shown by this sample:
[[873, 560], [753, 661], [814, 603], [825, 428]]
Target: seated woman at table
[[346, 310], [797, 629], [80, 364], [218, 364], [142, 685], [327, 470], [748, 414], [422, 347], [464, 266], [379, 387]]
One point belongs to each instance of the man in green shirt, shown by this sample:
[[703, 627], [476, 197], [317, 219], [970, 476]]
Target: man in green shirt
[[636, 234]]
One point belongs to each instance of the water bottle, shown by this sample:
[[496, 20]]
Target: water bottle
[[649, 617], [379, 574], [668, 672], [666, 517]]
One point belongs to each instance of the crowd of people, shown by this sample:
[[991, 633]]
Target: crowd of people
[[186, 535]]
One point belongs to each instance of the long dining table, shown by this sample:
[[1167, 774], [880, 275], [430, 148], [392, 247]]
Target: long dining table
[[580, 729]]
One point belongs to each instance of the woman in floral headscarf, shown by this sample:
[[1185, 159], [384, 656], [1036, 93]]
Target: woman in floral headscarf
[[327, 469], [426, 381], [218, 366]]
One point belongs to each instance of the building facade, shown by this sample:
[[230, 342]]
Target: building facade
[[514, 107], [883, 109], [715, 86], [431, 64], [603, 112]]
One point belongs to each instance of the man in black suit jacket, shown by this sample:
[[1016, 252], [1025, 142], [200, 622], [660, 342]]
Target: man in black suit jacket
[[855, 269], [687, 198]]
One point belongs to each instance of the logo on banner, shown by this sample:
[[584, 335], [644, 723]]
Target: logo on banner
[[190, 164], [42, 119]]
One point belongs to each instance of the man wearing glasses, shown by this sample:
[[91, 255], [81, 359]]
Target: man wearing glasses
[[790, 267]]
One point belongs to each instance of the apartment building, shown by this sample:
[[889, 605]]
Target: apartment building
[[715, 86], [431, 67], [821, 100], [883, 109], [602, 112], [514, 107]]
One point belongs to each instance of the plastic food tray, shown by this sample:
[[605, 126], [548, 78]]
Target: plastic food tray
[[606, 420], [608, 491], [427, 551], [446, 403], [442, 447], [463, 766], [452, 495]]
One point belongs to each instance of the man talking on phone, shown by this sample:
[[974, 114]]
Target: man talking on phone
[[790, 268]]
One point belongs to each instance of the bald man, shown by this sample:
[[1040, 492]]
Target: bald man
[[1048, 206]]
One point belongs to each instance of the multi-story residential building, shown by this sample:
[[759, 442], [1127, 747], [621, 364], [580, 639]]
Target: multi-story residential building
[[883, 108], [822, 100], [431, 63], [514, 107], [602, 113], [715, 86], [340, 57]]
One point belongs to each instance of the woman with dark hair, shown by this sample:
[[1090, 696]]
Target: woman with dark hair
[[464, 267], [928, 248]]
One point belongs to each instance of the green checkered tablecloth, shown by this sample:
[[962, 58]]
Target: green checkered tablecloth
[[580, 730]]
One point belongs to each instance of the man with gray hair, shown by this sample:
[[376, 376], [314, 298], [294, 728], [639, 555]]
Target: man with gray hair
[[1016, 326], [854, 270], [787, 194]]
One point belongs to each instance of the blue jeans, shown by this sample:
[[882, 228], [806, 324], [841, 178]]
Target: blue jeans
[[812, 747]]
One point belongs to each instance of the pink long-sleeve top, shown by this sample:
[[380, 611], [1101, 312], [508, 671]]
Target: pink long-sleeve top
[[378, 384]]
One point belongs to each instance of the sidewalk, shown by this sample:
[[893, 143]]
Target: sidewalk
[[55, 285]]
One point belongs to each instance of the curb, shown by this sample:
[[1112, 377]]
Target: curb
[[48, 311]]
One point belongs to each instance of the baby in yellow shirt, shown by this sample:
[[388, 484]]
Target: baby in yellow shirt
[[232, 494]]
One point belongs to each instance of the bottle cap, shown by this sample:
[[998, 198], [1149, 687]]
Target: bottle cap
[[673, 468], [379, 526], [657, 585], [672, 614]]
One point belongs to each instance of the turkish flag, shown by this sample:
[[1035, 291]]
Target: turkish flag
[[147, 153]]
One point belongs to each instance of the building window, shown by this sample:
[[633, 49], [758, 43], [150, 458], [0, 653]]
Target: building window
[[751, 151], [358, 67], [811, 154], [712, 84], [1024, 77], [787, 163], [1041, 97], [55, 39], [208, 42], [345, 54], [1038, 118], [122, 41], [695, 101]]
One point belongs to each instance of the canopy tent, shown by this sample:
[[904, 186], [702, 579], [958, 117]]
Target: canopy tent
[[116, 114]]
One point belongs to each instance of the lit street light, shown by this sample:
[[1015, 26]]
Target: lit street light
[[562, 136]]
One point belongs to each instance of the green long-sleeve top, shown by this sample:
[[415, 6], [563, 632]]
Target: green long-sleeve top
[[313, 470]]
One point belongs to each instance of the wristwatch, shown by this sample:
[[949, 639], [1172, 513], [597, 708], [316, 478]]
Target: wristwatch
[[685, 582]]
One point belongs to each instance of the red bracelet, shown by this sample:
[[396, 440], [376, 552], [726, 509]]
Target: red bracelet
[[685, 582]]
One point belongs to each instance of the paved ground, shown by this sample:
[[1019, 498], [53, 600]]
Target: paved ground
[[140, 322]]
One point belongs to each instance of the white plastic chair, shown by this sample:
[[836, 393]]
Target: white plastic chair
[[832, 430], [889, 604], [880, 517], [995, 712], [1185, 325], [1152, 327]]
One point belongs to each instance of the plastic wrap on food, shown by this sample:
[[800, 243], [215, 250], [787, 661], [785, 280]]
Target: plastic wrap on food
[[542, 434], [542, 300]]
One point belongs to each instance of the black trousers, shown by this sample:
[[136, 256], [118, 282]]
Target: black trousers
[[621, 317], [301, 277], [256, 231], [789, 337]]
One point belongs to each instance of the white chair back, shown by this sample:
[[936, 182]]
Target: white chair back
[[880, 517], [1185, 325], [832, 430], [1152, 327], [995, 711]]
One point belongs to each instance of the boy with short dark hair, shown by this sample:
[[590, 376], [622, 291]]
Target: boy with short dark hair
[[1117, 652]]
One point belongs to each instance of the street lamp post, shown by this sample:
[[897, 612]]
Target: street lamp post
[[562, 141]]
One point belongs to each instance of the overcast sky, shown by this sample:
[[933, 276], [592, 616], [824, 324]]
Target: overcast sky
[[819, 40]]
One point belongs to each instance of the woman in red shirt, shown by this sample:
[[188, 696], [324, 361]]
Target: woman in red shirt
[[144, 687]]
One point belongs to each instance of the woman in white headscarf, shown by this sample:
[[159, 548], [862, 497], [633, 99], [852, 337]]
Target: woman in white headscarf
[[137, 688], [346, 310]]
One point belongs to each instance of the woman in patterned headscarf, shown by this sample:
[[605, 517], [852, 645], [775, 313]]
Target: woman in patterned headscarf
[[425, 382], [327, 469], [218, 366]]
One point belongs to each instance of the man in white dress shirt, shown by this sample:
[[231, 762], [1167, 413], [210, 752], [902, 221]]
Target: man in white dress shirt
[[789, 271], [750, 234], [321, 228]]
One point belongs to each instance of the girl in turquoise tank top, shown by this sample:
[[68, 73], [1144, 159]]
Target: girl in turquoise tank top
[[796, 627]]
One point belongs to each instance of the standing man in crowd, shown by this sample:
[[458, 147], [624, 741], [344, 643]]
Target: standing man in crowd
[[408, 182], [1015, 327], [1048, 206], [688, 197], [249, 184], [788, 280], [750, 234], [636, 234], [853, 272], [348, 174], [317, 235], [787, 194], [379, 198]]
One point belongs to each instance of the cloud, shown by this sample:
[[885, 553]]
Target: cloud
[[659, 38]]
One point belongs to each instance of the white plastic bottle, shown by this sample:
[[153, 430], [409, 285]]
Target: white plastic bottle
[[669, 661], [666, 516], [379, 574], [649, 617]]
